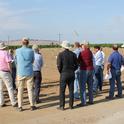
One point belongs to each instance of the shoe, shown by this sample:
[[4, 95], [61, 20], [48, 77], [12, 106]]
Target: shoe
[[16, 105], [33, 108], [71, 107], [2, 105], [81, 105], [61, 108], [91, 103], [38, 101], [109, 97], [76, 98], [20, 109], [118, 96]]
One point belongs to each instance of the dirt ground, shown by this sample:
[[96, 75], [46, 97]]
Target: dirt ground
[[101, 112]]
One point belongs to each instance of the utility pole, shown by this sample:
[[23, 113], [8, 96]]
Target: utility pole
[[59, 35], [8, 39]]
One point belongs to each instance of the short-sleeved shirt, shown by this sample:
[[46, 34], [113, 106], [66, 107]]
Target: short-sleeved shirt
[[116, 60], [5, 58], [24, 61]]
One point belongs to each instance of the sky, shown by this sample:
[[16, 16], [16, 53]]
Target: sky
[[99, 21]]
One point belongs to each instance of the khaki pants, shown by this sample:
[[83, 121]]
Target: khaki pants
[[21, 82], [5, 77]]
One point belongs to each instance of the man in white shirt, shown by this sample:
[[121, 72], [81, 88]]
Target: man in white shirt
[[98, 69]]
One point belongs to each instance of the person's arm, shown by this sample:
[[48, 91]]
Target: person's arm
[[75, 62], [108, 67], [10, 66], [59, 63], [109, 63]]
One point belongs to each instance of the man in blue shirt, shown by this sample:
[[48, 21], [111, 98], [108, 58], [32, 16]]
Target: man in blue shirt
[[24, 61], [114, 65], [37, 65]]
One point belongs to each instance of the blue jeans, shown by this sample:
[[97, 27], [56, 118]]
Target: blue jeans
[[76, 83], [116, 76], [98, 79], [86, 76]]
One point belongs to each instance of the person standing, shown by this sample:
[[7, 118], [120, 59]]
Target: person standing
[[115, 61], [5, 76], [103, 64], [86, 74], [66, 64], [24, 61], [97, 84], [77, 72], [37, 65], [11, 52]]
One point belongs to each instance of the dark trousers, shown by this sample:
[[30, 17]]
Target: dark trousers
[[63, 82], [14, 77], [37, 84], [98, 82]]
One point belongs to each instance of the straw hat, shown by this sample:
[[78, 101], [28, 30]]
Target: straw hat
[[2, 46], [66, 44]]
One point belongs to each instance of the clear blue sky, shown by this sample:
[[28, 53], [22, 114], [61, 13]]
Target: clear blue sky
[[93, 20]]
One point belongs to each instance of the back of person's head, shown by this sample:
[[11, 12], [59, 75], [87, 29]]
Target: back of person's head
[[115, 47], [11, 51], [77, 45], [25, 41], [97, 47], [86, 44]]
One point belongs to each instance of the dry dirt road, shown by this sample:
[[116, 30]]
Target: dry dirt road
[[102, 112]]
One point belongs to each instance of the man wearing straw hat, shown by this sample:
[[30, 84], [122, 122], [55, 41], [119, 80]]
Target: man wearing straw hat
[[24, 61], [67, 64], [5, 75]]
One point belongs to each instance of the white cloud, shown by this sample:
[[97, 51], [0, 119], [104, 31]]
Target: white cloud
[[11, 19]]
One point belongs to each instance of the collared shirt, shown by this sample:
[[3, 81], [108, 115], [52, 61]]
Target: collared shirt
[[116, 60], [98, 58], [67, 62], [24, 61], [77, 51], [86, 59], [5, 58], [38, 62]]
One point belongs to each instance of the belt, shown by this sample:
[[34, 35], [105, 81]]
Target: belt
[[4, 70], [36, 71]]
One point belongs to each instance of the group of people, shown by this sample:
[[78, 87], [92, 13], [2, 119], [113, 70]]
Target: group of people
[[82, 67], [78, 69], [24, 68]]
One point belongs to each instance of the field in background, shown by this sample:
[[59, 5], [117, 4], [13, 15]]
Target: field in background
[[102, 112], [50, 72]]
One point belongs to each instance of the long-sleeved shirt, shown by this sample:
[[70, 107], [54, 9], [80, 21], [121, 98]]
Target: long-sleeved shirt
[[67, 61], [38, 62], [24, 61], [98, 58]]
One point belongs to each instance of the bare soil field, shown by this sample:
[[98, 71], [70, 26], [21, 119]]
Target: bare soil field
[[101, 112]]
